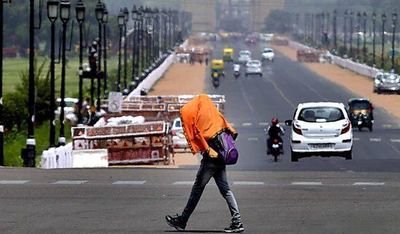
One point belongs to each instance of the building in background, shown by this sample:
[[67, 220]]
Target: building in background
[[230, 15]]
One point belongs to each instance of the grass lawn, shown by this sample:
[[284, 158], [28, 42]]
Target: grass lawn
[[14, 142], [14, 66]]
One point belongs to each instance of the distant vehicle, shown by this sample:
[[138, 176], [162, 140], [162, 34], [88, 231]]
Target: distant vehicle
[[253, 67], [320, 129], [69, 108], [251, 39], [266, 37], [178, 137], [387, 82], [244, 56], [268, 55]]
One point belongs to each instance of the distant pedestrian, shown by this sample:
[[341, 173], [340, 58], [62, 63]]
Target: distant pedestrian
[[206, 60], [202, 124]]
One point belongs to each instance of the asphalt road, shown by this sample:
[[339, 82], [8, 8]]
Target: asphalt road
[[252, 102], [136, 201], [315, 195]]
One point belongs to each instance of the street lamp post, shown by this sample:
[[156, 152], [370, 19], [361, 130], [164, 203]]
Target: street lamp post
[[365, 16], [65, 12], [358, 28], [99, 10], [373, 39], [335, 30], [135, 19], [1, 87], [126, 19], [346, 16], [105, 78], [52, 14], [394, 21], [121, 22], [80, 11], [142, 40], [383, 41], [351, 34]]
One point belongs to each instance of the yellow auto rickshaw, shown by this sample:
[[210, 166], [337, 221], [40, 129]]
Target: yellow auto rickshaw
[[228, 54], [217, 66]]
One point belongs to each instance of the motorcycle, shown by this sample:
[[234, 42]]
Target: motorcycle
[[236, 70], [364, 120], [276, 148], [215, 79]]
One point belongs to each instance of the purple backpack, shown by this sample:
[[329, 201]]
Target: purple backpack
[[228, 149]]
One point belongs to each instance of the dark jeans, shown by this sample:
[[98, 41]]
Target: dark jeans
[[217, 170]]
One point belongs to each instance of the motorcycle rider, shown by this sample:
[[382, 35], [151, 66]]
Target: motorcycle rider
[[275, 131]]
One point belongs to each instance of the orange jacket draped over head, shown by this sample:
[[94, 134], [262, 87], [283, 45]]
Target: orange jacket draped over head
[[201, 122]]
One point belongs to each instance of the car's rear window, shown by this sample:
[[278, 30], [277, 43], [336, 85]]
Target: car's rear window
[[268, 50], [357, 105], [321, 114], [244, 53]]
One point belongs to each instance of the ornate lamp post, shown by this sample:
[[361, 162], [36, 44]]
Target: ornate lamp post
[[65, 13], [383, 41], [358, 28], [136, 19], [351, 34], [126, 19], [365, 16], [346, 16], [99, 10], [373, 39], [335, 30], [121, 22], [80, 11], [105, 21], [394, 21], [52, 14]]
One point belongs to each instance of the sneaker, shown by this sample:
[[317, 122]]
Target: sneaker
[[235, 228], [176, 222]]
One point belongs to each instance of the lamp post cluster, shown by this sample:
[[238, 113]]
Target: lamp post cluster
[[318, 29], [153, 35]]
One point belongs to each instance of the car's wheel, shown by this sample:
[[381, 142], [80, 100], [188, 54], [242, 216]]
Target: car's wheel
[[294, 157], [348, 155], [261, 74]]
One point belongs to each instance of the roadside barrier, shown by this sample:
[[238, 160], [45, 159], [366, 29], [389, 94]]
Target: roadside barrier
[[60, 157], [359, 68]]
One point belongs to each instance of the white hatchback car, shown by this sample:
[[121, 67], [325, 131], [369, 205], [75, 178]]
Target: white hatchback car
[[244, 56], [253, 67], [320, 129], [268, 54], [178, 137]]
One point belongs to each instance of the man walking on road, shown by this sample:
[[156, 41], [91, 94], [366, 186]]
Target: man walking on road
[[202, 122]]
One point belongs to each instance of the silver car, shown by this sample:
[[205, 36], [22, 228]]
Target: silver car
[[254, 67], [387, 82], [244, 56]]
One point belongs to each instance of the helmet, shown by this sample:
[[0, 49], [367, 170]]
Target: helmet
[[274, 121]]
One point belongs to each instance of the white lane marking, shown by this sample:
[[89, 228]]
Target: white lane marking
[[247, 183], [263, 124], [369, 183], [375, 139], [126, 182], [252, 139], [71, 182], [395, 140], [14, 181], [387, 126], [247, 124], [356, 139], [183, 183], [306, 183]]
